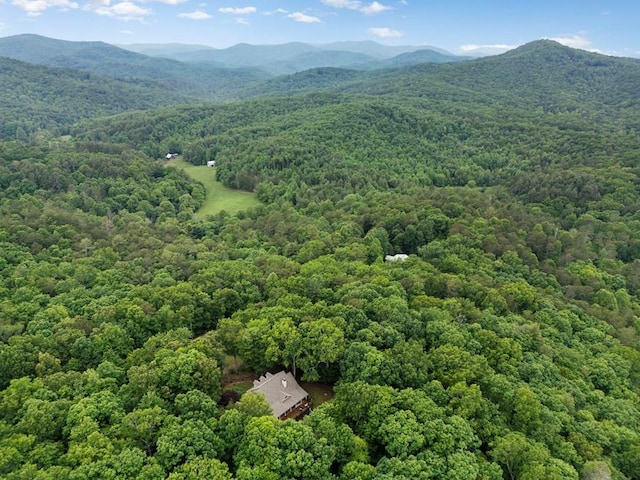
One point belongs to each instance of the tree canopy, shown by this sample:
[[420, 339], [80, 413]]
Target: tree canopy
[[506, 346]]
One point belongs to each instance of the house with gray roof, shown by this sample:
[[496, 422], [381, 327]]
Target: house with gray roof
[[286, 398]]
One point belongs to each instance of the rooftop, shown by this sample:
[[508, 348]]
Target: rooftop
[[281, 391]]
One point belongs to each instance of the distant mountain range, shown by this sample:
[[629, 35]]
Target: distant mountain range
[[102, 58], [296, 56], [541, 74], [191, 67], [47, 82]]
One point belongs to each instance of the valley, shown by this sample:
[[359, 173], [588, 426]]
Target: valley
[[218, 197]]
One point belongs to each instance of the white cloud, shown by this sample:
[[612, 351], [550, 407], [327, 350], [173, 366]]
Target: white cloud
[[126, 11], [242, 21], [374, 8], [171, 2], [197, 15], [371, 9], [384, 32], [303, 18], [238, 11], [96, 3], [574, 41], [36, 7], [473, 47], [351, 4], [277, 10]]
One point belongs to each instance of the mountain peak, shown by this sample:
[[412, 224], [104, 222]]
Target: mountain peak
[[539, 46], [549, 51]]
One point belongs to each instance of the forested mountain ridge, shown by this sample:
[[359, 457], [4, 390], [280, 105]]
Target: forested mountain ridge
[[189, 68], [556, 79], [200, 80], [541, 74], [36, 99], [507, 346], [62, 53], [365, 47], [544, 72], [377, 50], [414, 58], [149, 82], [445, 130]]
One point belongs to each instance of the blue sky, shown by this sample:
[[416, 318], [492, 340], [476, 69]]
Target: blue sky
[[460, 26]]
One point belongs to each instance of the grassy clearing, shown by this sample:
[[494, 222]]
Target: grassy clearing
[[319, 392], [219, 197], [240, 387]]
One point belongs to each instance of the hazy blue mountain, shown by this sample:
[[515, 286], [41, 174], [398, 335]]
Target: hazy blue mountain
[[414, 58], [369, 48], [196, 79], [358, 61], [296, 57], [318, 59], [275, 59], [43, 50], [168, 50], [246, 55], [377, 50], [95, 56]]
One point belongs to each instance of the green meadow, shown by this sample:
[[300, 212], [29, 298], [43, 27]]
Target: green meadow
[[219, 197]]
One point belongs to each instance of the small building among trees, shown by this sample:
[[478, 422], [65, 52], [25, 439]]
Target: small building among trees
[[286, 398], [397, 257]]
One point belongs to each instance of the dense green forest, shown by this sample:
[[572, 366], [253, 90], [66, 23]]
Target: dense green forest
[[507, 346], [39, 101], [47, 84]]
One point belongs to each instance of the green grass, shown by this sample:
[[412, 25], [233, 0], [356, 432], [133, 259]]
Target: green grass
[[318, 392], [219, 197], [240, 387]]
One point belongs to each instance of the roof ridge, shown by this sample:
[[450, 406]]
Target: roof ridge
[[269, 376]]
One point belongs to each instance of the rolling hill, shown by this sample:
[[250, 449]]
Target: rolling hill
[[202, 80], [540, 74], [450, 124], [34, 97], [415, 58]]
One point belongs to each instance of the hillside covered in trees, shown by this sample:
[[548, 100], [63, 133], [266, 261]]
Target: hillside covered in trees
[[48, 84], [507, 346]]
